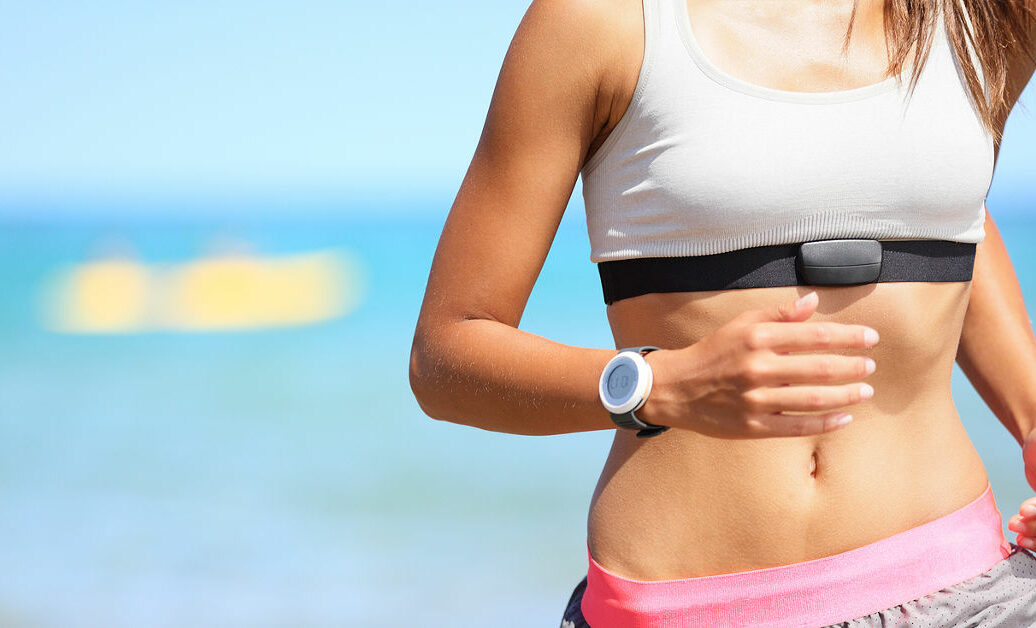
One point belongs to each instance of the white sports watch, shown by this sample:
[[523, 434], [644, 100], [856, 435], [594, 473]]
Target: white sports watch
[[624, 387]]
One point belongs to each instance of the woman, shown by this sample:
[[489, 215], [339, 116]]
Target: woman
[[709, 133]]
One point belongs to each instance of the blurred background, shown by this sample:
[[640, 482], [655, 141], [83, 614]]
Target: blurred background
[[216, 225]]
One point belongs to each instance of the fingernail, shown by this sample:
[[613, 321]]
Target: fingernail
[[870, 366], [844, 419], [866, 391], [1029, 510], [806, 298], [870, 336], [1027, 543]]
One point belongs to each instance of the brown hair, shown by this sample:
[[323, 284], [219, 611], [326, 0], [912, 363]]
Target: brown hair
[[997, 29]]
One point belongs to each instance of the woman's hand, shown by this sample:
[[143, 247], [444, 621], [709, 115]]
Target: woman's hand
[[738, 381], [1024, 523]]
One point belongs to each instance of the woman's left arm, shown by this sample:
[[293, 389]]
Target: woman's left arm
[[997, 351], [998, 354], [997, 348]]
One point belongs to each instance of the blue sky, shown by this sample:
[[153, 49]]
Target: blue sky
[[311, 101]]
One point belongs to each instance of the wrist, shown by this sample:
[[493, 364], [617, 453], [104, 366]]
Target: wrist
[[653, 409], [625, 387]]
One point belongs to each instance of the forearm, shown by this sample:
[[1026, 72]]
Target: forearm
[[490, 375], [997, 349]]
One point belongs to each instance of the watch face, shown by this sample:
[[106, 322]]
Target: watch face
[[622, 381]]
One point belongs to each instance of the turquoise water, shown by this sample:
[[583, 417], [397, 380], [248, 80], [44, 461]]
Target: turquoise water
[[288, 477]]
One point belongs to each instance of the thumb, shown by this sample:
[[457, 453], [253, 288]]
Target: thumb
[[788, 311]]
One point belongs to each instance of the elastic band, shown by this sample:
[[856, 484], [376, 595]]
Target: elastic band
[[766, 266], [828, 590]]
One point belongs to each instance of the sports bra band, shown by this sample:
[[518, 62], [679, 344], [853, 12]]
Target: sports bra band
[[819, 262]]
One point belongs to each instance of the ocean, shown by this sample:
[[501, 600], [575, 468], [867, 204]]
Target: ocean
[[286, 476]]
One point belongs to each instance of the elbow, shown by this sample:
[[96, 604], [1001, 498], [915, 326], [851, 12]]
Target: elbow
[[419, 383]]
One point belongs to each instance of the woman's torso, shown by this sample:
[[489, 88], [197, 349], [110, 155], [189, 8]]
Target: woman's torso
[[686, 505]]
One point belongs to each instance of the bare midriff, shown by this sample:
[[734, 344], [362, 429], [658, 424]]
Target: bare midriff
[[685, 504]]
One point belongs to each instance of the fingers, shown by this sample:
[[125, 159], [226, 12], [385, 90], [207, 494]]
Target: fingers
[[803, 336], [805, 398], [1025, 527], [1024, 523], [805, 369], [792, 310], [778, 424]]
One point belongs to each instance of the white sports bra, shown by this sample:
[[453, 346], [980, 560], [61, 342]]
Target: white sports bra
[[703, 162]]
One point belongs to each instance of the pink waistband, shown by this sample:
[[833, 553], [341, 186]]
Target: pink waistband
[[858, 582]]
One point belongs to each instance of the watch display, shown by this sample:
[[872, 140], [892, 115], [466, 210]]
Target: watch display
[[624, 387]]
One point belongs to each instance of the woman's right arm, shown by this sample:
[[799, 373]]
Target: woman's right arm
[[470, 364]]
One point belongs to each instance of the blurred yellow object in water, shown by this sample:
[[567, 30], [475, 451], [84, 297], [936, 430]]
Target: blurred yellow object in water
[[226, 292], [109, 296], [238, 292]]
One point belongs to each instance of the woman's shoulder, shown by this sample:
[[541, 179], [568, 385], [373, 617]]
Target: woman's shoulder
[[596, 30], [605, 38]]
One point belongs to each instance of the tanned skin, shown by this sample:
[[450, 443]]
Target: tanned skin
[[749, 381]]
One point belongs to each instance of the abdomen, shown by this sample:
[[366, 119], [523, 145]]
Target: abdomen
[[686, 505]]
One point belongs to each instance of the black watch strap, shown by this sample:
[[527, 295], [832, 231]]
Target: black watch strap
[[629, 420]]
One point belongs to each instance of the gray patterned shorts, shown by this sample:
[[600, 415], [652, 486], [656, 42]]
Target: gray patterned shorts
[[1004, 596]]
